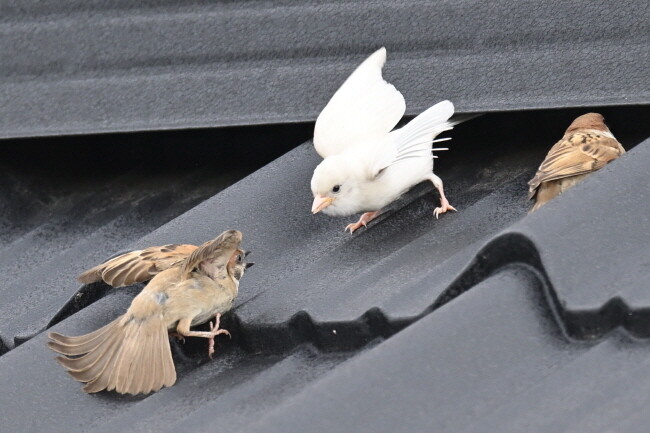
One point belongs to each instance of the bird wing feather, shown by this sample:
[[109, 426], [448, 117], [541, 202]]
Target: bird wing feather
[[364, 106], [579, 153], [137, 266], [414, 139]]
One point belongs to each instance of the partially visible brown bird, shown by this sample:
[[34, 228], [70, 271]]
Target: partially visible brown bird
[[132, 355], [587, 146]]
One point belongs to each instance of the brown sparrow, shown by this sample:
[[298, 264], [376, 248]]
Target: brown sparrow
[[132, 355], [587, 146]]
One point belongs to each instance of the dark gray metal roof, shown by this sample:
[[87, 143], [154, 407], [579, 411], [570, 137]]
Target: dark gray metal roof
[[90, 66], [70, 201], [488, 319]]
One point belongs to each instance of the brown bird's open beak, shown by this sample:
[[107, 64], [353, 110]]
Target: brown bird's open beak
[[320, 203], [248, 264]]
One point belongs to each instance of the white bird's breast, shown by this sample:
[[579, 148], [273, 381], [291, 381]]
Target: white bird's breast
[[388, 186], [398, 178]]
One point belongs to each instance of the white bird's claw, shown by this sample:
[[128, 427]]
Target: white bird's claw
[[443, 209], [355, 226], [363, 221]]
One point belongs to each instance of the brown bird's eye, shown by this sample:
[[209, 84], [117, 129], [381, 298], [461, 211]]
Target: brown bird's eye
[[239, 258], [336, 188]]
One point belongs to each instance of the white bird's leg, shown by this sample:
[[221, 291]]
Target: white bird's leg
[[183, 328], [444, 203], [363, 221]]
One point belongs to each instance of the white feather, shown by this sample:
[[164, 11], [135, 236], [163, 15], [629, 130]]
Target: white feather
[[365, 165], [365, 106], [416, 137]]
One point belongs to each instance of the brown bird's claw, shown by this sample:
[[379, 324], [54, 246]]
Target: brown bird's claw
[[214, 331], [178, 336], [444, 207]]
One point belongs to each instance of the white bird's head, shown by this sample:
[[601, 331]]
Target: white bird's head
[[337, 185]]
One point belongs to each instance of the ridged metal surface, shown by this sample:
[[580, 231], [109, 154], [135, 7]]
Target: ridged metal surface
[[477, 319], [85, 67], [70, 201]]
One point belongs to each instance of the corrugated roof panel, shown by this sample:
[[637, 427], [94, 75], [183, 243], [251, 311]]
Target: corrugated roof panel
[[84, 67], [415, 323]]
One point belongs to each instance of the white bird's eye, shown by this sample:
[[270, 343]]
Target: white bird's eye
[[336, 188]]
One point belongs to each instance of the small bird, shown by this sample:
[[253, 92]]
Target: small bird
[[366, 164], [132, 355], [587, 146]]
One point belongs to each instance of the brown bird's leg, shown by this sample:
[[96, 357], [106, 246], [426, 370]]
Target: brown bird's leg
[[444, 203], [177, 336], [363, 221], [183, 328]]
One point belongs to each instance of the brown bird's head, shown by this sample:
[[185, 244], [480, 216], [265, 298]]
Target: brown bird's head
[[237, 264], [218, 257], [588, 121]]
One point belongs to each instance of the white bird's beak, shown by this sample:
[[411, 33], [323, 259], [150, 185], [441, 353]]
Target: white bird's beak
[[320, 203]]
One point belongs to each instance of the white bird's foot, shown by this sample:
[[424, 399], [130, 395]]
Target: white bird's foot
[[363, 221], [444, 207], [444, 203]]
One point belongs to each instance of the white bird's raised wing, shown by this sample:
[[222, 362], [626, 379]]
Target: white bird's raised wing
[[414, 140], [363, 107]]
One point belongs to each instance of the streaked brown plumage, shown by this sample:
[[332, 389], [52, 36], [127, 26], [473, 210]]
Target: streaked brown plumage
[[587, 145], [137, 266], [132, 355]]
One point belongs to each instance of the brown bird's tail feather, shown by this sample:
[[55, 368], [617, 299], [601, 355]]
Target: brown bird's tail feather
[[127, 355]]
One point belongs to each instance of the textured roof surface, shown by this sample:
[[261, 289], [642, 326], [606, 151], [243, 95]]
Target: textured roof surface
[[70, 201], [90, 66], [488, 319]]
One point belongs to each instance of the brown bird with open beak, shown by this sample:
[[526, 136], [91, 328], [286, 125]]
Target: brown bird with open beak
[[132, 355], [587, 146]]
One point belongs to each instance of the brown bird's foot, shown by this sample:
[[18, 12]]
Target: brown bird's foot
[[184, 325], [178, 336], [363, 221], [214, 330], [444, 207]]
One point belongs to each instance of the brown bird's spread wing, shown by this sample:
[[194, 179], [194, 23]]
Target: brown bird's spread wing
[[137, 266], [217, 251], [130, 355], [579, 153]]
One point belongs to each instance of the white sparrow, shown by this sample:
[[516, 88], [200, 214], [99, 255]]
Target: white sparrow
[[367, 165]]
